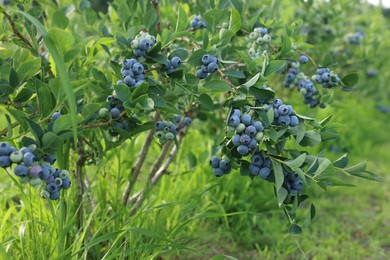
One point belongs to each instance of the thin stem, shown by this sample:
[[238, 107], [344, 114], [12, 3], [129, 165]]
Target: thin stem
[[79, 181], [310, 58], [136, 169], [5, 130], [138, 197], [226, 79], [157, 9], [15, 30]]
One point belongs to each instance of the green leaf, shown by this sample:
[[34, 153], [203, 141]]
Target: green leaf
[[159, 58], [342, 161], [278, 171], [206, 102], [281, 194], [45, 102], [357, 168], [13, 78], [62, 71], [23, 95], [297, 162], [123, 92], [261, 93], [35, 129], [295, 229], [217, 86], [28, 69], [196, 57], [50, 142], [244, 168], [350, 80], [274, 66], [60, 20], [20, 117], [179, 52], [325, 167], [90, 109], [329, 61], [311, 138], [300, 132], [252, 81], [182, 22], [63, 123], [235, 20], [140, 90]]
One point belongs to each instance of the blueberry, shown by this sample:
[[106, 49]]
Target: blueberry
[[264, 172], [284, 120], [276, 113], [128, 63], [35, 182], [206, 59], [64, 174], [46, 170], [187, 121], [201, 24], [212, 67], [28, 159], [236, 112], [145, 44], [236, 140], [252, 144], [175, 61], [66, 183], [55, 116], [51, 158], [21, 170], [138, 68], [49, 179], [250, 130], [173, 129], [194, 23], [234, 121], [283, 110], [325, 76], [240, 128], [294, 121], [115, 113], [257, 159], [52, 187], [263, 31], [35, 171], [258, 125], [138, 52], [201, 74], [5, 148], [253, 169], [246, 119], [224, 165], [214, 161], [245, 139], [126, 73], [321, 71], [243, 150], [169, 136], [54, 195], [218, 172], [159, 134], [303, 59], [129, 81], [277, 103], [160, 125], [45, 194], [267, 163]]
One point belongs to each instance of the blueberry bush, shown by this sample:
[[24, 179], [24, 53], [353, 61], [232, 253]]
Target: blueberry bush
[[91, 100]]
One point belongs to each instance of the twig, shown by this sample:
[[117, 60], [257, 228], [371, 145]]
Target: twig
[[159, 160], [5, 130], [15, 30], [107, 123], [311, 59], [136, 169], [157, 8], [226, 79], [138, 197]]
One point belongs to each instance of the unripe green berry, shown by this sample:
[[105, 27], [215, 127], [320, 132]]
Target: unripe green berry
[[35, 182], [45, 194], [32, 147], [267, 38], [303, 91], [160, 134], [134, 44], [163, 140], [169, 136], [58, 181], [226, 158], [241, 127], [259, 136], [64, 174], [103, 112], [168, 123], [16, 157]]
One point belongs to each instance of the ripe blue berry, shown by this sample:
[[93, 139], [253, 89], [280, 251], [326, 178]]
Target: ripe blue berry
[[55, 116], [251, 130], [234, 121], [145, 44], [28, 159], [35, 171], [243, 150], [284, 120], [253, 169], [214, 161], [187, 121], [129, 81], [257, 159], [224, 165], [175, 61], [264, 172], [212, 67], [66, 183], [245, 139], [21, 170], [218, 172], [201, 74], [246, 119], [236, 140], [5, 148], [294, 121], [258, 125], [303, 59], [115, 113], [206, 59]]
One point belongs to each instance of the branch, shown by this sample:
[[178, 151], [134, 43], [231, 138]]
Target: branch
[[138, 197], [15, 30], [136, 169], [226, 79], [157, 8], [5, 130], [159, 160]]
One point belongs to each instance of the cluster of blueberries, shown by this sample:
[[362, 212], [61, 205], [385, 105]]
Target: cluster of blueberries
[[260, 166], [248, 132], [172, 65], [356, 38], [132, 72], [326, 77], [292, 182], [259, 42], [167, 130], [114, 111], [284, 114], [292, 76], [142, 43], [310, 93], [210, 65], [198, 23], [221, 166], [34, 171]]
